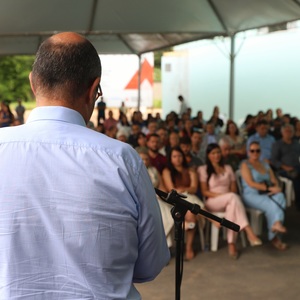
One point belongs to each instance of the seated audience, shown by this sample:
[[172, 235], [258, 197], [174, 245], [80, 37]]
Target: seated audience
[[173, 140], [110, 121], [198, 121], [275, 130], [124, 124], [157, 182], [137, 118], [209, 137], [163, 139], [297, 131], [133, 137], [180, 177], [122, 135], [261, 191], [157, 160], [111, 131], [196, 140], [285, 159], [248, 126], [218, 185], [185, 145], [237, 141], [141, 140], [187, 128], [263, 138], [216, 120], [279, 115], [151, 127], [228, 158], [6, 116]]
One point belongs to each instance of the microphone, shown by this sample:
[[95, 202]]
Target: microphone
[[175, 198]]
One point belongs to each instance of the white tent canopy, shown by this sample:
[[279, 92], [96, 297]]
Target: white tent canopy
[[137, 26], [134, 26]]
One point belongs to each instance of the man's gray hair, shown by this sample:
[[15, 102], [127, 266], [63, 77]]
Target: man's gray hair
[[287, 125], [224, 141]]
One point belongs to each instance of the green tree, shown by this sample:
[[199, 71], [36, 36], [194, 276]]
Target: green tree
[[14, 82]]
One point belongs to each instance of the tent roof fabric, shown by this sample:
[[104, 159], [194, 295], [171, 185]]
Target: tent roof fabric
[[134, 26]]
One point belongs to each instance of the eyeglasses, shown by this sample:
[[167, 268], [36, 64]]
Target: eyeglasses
[[254, 150], [99, 92]]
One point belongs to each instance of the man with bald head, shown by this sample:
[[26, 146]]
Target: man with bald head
[[79, 216]]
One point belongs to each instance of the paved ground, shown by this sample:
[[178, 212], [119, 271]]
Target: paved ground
[[260, 272]]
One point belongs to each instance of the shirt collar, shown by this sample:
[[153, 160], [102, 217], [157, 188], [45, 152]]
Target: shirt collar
[[57, 113]]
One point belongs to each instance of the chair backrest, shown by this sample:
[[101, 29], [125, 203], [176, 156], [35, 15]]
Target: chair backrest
[[238, 177]]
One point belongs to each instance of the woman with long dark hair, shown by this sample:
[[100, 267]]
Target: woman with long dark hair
[[6, 116], [218, 185], [237, 141], [180, 177]]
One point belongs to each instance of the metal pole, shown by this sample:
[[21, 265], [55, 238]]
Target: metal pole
[[139, 82], [231, 79]]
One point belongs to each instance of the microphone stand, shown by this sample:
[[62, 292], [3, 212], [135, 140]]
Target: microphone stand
[[178, 212]]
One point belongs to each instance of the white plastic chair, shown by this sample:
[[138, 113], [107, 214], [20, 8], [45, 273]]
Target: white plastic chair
[[201, 235], [215, 231], [288, 190]]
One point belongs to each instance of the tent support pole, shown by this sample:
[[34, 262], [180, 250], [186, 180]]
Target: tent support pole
[[231, 79], [139, 82]]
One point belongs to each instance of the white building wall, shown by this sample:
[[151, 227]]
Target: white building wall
[[267, 75]]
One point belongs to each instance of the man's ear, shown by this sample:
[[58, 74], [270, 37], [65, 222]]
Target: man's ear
[[93, 90], [31, 84]]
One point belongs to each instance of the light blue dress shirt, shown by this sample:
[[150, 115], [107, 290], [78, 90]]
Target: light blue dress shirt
[[78, 213]]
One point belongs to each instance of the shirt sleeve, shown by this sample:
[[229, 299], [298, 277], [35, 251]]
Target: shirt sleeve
[[202, 173], [153, 253]]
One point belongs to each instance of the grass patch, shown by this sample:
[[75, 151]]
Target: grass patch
[[157, 75], [157, 103], [29, 105]]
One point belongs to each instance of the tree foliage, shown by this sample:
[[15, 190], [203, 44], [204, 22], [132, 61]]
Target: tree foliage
[[14, 82], [157, 56]]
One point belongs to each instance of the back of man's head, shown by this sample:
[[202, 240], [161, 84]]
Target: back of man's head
[[66, 64]]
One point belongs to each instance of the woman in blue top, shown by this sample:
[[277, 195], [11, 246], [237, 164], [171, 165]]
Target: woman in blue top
[[259, 184]]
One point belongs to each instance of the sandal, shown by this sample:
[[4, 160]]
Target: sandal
[[279, 245], [278, 227]]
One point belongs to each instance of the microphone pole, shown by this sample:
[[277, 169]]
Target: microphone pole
[[178, 212]]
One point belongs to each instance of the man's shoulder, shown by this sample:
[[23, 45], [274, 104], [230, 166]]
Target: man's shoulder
[[162, 157], [158, 157], [68, 135], [271, 137], [101, 142], [279, 142], [252, 136]]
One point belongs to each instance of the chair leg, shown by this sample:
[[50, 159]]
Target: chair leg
[[243, 239], [201, 235], [214, 238], [256, 222]]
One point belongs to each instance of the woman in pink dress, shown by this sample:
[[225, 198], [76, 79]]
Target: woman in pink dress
[[218, 186]]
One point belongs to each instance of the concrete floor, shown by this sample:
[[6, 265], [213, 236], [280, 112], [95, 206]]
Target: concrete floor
[[260, 272]]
